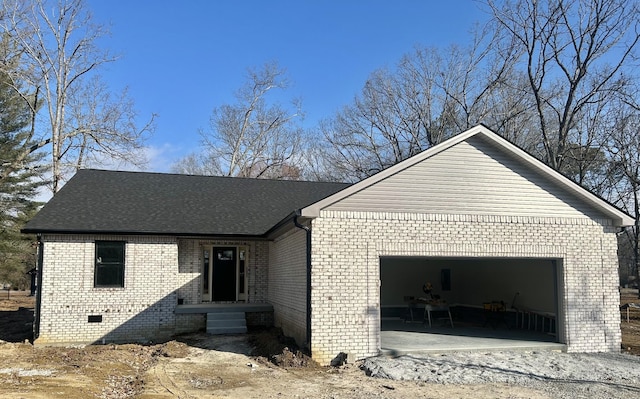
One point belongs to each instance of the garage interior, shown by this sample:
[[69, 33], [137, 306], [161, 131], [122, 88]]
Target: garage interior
[[474, 303]]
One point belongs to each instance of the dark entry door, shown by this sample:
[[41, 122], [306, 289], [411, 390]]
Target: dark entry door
[[224, 274]]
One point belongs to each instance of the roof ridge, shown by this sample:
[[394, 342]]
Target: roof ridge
[[138, 172]]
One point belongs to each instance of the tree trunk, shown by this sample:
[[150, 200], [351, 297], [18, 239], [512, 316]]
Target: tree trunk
[[636, 238]]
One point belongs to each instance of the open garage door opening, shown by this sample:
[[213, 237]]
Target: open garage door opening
[[498, 300]]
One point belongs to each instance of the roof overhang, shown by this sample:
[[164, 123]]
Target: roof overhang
[[194, 235]]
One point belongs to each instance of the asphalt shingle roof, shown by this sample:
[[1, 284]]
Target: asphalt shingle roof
[[100, 201]]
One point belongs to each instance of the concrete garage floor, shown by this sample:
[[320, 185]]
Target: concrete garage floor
[[399, 338]]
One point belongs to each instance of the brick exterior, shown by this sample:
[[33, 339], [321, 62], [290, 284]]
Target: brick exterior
[[158, 271], [288, 283], [346, 252], [189, 270], [141, 311], [347, 247]]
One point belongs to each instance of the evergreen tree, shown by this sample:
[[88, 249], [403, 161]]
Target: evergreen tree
[[18, 187]]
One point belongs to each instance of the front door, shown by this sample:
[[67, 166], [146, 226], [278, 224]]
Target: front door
[[224, 274]]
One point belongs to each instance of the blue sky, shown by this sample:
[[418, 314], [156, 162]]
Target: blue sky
[[180, 59]]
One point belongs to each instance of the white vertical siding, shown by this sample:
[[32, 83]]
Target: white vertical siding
[[472, 177]]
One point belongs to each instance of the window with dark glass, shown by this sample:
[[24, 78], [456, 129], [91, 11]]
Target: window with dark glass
[[241, 272], [205, 273], [109, 271]]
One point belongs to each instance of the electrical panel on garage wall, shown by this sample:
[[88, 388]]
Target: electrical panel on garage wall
[[445, 279]]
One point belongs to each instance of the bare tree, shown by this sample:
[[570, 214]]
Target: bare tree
[[102, 127], [253, 137], [585, 160], [510, 113], [196, 164], [318, 161], [573, 52], [56, 45], [623, 147], [472, 74], [431, 95], [396, 115]]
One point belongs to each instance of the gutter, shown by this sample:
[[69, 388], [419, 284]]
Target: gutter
[[307, 229], [209, 235], [36, 318]]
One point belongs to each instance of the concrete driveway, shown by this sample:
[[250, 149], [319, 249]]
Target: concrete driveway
[[398, 338]]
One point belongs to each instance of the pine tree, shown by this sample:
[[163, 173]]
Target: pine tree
[[19, 183]]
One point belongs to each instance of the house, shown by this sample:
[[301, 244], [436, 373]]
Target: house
[[142, 256]]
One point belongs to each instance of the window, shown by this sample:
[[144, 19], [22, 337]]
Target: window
[[109, 270], [205, 273]]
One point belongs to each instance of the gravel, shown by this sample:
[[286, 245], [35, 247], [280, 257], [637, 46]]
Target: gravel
[[558, 374]]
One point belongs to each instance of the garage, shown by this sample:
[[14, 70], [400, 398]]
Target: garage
[[518, 252], [501, 299]]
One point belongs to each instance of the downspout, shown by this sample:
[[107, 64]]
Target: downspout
[[36, 319], [307, 229]]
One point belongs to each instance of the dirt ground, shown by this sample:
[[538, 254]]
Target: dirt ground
[[631, 329], [256, 365]]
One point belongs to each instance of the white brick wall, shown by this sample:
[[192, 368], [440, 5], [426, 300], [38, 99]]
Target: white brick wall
[[141, 311], [345, 277], [259, 271], [158, 271], [288, 283], [189, 271]]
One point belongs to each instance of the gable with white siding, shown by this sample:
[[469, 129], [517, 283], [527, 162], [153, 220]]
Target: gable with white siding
[[472, 177], [474, 173]]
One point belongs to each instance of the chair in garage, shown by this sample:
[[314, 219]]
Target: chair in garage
[[436, 308]]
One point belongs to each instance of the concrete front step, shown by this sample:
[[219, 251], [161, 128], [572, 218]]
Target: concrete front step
[[226, 316], [226, 330], [226, 323]]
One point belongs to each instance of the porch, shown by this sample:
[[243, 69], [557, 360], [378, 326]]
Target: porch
[[211, 307], [230, 318]]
